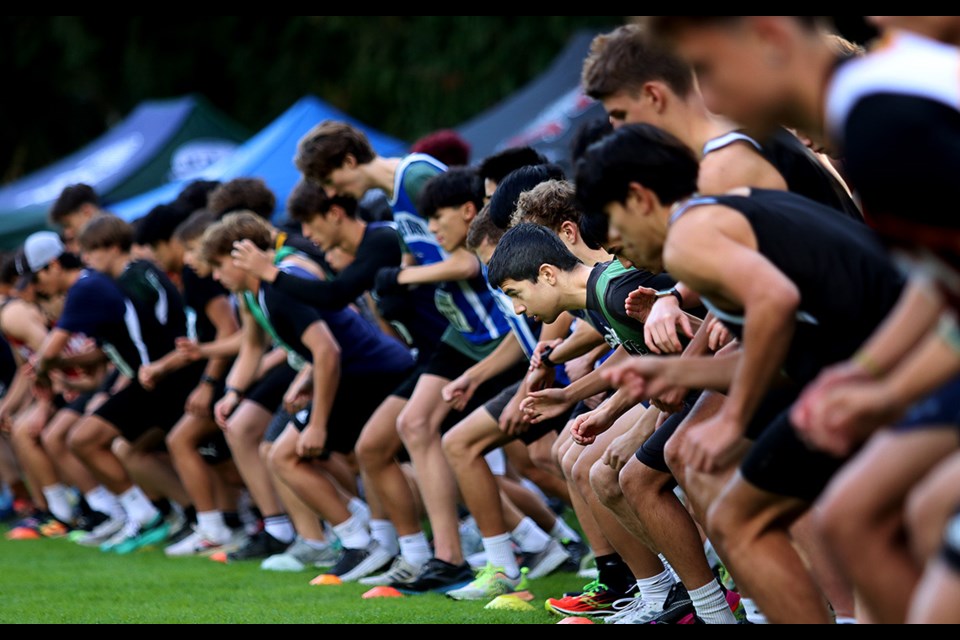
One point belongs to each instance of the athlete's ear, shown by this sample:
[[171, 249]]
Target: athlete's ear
[[656, 94], [469, 212], [774, 34], [350, 162], [548, 274], [569, 231]]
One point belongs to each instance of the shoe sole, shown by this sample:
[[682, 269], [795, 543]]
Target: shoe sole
[[557, 558], [148, 539], [573, 614]]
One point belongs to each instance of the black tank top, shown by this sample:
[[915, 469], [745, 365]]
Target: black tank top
[[847, 281], [800, 168]]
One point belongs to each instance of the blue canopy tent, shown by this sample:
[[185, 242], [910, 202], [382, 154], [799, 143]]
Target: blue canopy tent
[[267, 155], [159, 141]]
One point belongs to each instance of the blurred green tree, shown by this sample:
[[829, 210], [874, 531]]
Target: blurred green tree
[[71, 77]]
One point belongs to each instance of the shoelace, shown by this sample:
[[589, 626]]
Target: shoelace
[[630, 609], [488, 573], [594, 587]]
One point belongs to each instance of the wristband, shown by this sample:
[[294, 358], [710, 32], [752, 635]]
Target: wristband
[[868, 365], [234, 390], [210, 380], [545, 360], [671, 292]]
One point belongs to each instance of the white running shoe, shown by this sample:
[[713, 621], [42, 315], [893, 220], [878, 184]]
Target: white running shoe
[[400, 572], [199, 543], [547, 561], [102, 533], [301, 556]]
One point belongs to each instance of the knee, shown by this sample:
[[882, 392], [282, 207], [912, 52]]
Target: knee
[[725, 524], [82, 439], [568, 461], [455, 448], [671, 455], [414, 430], [606, 484], [543, 459], [924, 527], [278, 461], [581, 472], [177, 443], [637, 482], [837, 522], [369, 455], [52, 441]]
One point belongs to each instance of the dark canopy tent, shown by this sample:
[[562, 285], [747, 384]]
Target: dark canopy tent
[[546, 114], [159, 141], [267, 155]]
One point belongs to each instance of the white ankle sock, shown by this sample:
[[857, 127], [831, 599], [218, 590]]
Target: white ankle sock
[[754, 614], [213, 524], [104, 502], [564, 533], [280, 528], [385, 534], [656, 589], [711, 604], [58, 503], [353, 534], [529, 537], [500, 554], [415, 549], [138, 507]]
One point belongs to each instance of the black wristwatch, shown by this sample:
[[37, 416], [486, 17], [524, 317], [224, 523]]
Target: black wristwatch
[[545, 360], [238, 392], [210, 380], [666, 293]]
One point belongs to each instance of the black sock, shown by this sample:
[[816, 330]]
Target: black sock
[[615, 574], [190, 513], [163, 506], [232, 520]]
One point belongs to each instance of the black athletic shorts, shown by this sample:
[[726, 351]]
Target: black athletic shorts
[[79, 404], [269, 390], [281, 420], [358, 397], [951, 547], [496, 406], [134, 411], [937, 411], [652, 452], [782, 464]]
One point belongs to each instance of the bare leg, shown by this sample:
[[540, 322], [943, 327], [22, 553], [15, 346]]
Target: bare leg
[[91, 442], [751, 527], [529, 503], [54, 439], [150, 470], [862, 518], [34, 461], [377, 451], [244, 434], [643, 562], [521, 459], [932, 504], [937, 596], [197, 478], [419, 428], [312, 486]]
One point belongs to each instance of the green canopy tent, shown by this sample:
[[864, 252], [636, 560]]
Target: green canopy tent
[[160, 141]]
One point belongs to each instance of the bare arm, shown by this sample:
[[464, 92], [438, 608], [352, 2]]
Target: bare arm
[[326, 380], [461, 265]]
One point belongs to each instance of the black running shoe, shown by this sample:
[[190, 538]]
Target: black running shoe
[[439, 576], [577, 551], [87, 522], [676, 607], [259, 547], [360, 563]]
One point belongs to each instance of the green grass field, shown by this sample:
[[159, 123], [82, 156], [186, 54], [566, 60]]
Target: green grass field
[[57, 582]]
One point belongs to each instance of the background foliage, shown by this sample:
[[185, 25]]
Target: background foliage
[[70, 78]]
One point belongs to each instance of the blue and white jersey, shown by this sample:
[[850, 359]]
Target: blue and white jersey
[[473, 310], [414, 172]]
